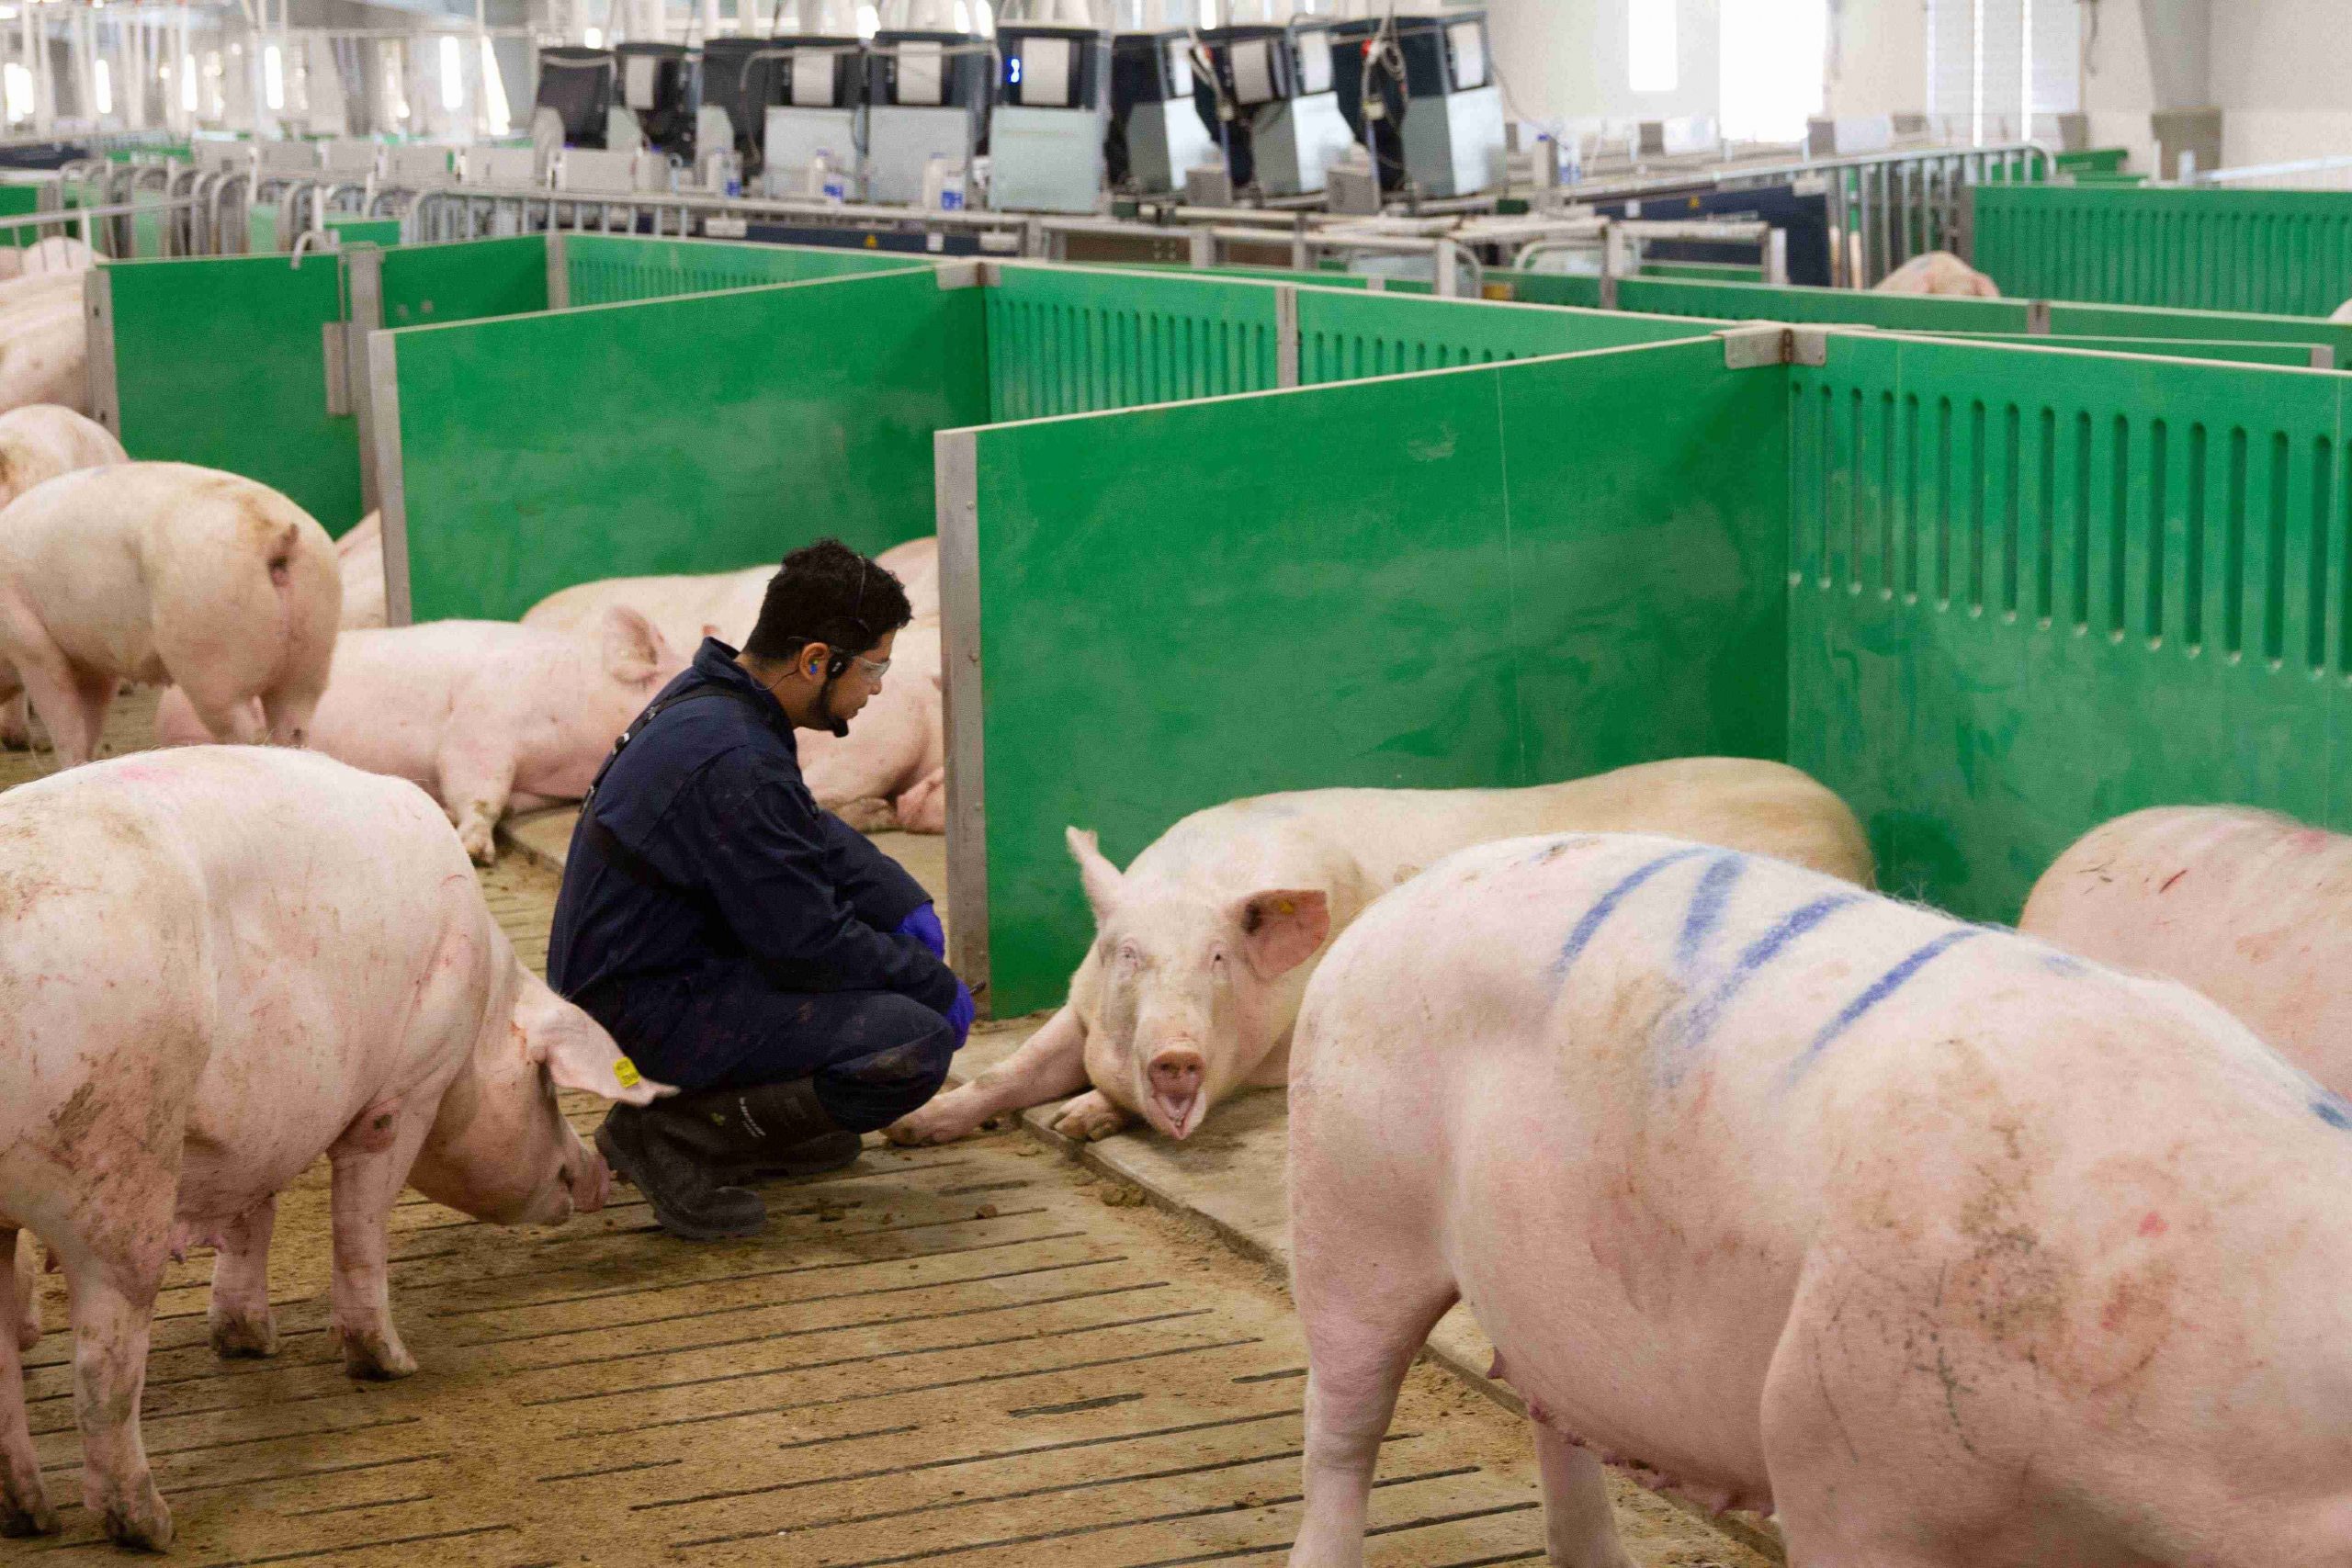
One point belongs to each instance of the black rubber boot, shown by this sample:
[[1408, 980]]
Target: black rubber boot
[[781, 1130], [677, 1153], [822, 1154]]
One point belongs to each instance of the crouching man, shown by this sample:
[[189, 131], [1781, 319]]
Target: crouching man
[[741, 942]]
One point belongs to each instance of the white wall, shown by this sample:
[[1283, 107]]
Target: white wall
[[1566, 60], [1880, 59]]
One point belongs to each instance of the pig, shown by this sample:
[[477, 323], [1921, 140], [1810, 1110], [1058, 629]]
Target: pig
[[53, 255], [360, 561], [223, 963], [44, 343], [25, 1269], [1206, 942], [37, 443], [1938, 273], [889, 770], [2246, 907], [164, 571], [1946, 1247], [488, 715]]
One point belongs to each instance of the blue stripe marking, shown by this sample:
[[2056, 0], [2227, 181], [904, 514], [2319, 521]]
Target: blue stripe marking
[[1700, 1022], [1706, 910], [1885, 986], [1594, 917]]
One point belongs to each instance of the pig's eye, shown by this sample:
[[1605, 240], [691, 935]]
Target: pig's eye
[[1130, 956]]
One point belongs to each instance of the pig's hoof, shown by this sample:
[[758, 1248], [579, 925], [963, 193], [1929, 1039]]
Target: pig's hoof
[[481, 843], [144, 1522], [28, 1331], [379, 1357], [932, 1124], [20, 1518], [1088, 1118], [238, 1335]]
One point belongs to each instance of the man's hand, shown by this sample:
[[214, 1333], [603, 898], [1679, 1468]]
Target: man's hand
[[924, 927], [961, 1011]]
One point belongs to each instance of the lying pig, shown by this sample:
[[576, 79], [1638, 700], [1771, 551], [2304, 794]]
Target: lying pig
[[1945, 1247], [683, 605], [161, 571], [1941, 273], [2245, 906], [488, 715], [887, 772], [39, 442], [1206, 942], [221, 964], [55, 255], [44, 343], [360, 561]]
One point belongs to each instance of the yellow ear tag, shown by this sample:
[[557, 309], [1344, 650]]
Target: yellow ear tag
[[1285, 908], [626, 1070]]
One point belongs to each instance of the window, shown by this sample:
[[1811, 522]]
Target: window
[[1774, 64], [1994, 65], [1650, 65]]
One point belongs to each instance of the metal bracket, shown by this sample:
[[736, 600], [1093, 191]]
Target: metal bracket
[[959, 275], [98, 304], [2037, 317], [1809, 345], [1752, 348], [1285, 335], [1607, 291], [2322, 356], [559, 271]]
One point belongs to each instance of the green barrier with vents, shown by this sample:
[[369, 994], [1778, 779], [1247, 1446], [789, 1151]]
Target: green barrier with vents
[[523, 454], [1326, 278], [1345, 336], [1580, 289], [1841, 307], [2284, 253], [2219, 326], [1072, 340], [2291, 356], [606, 269]]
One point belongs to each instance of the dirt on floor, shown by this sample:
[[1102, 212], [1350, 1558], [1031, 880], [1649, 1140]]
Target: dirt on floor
[[977, 1355]]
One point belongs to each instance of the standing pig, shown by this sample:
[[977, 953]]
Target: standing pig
[[1949, 1250], [161, 572], [1206, 944], [1938, 273], [44, 343], [38, 443], [360, 561], [2246, 907], [222, 963], [486, 714]]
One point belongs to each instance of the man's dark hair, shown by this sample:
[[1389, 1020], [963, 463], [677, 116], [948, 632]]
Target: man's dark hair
[[828, 593]]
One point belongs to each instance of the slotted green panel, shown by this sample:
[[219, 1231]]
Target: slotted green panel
[[18, 201], [606, 269], [1320, 278], [1845, 307], [1705, 272], [2216, 326], [2293, 356], [1503, 577], [1345, 337], [1582, 290], [465, 280], [676, 435], [350, 228], [1071, 340], [221, 361], [2032, 592], [2284, 253], [2094, 161]]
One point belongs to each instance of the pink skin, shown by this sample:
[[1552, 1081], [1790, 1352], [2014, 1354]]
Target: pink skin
[[39, 442], [25, 1265], [1987, 1256], [44, 343], [228, 961], [2248, 907], [489, 716], [360, 561], [161, 572], [1938, 273], [1206, 942], [894, 749]]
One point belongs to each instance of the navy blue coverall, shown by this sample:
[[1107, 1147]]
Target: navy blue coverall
[[743, 935]]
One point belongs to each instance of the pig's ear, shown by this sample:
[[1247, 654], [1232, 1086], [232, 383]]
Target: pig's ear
[[1102, 878], [633, 649], [1281, 928], [576, 1051]]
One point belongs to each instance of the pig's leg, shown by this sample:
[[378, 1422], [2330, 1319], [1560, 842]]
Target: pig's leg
[[15, 716], [1089, 1118], [1052, 1064], [241, 1320], [286, 715], [477, 775], [27, 1293], [96, 692], [114, 1302], [23, 1504], [923, 809], [56, 695], [1580, 1525], [371, 1160]]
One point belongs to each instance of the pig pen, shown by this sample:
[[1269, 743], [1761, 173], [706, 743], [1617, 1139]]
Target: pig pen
[[982, 1354]]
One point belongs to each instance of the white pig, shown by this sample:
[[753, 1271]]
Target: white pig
[[2251, 909], [1940, 273], [683, 607], [887, 771], [39, 442], [489, 715], [223, 963], [1206, 944], [44, 343], [162, 571], [360, 561], [1947, 1248], [24, 1264]]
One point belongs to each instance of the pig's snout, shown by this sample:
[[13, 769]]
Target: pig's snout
[[587, 1178], [1176, 1074]]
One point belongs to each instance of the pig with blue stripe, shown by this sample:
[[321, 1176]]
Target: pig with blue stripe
[[1947, 1248]]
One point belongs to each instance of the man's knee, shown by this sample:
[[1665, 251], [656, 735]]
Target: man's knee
[[912, 1048]]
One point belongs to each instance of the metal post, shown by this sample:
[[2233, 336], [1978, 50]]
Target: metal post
[[1203, 247], [956, 467], [1445, 268], [384, 420], [364, 267], [98, 304], [559, 272]]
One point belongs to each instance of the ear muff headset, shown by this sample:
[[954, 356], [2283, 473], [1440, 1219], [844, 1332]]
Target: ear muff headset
[[838, 666]]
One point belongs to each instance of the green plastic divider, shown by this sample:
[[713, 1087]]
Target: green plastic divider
[[349, 228], [222, 361], [2215, 326], [18, 201], [2293, 356], [1843, 307], [465, 280], [2032, 592], [538, 451], [1066, 340], [606, 269], [1500, 576], [2094, 161], [2277, 251], [1580, 289], [1345, 336], [261, 228], [1320, 278], [1705, 272]]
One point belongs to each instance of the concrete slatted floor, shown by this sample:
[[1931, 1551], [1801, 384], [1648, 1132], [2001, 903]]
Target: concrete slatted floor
[[977, 1356]]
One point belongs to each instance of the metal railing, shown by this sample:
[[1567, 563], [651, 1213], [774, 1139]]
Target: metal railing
[[2331, 173]]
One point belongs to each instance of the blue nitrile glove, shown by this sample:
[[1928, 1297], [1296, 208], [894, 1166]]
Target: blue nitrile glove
[[960, 1013], [924, 927]]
